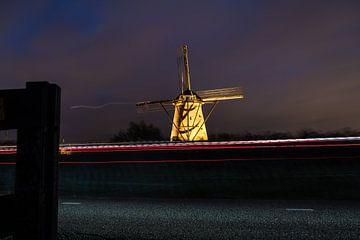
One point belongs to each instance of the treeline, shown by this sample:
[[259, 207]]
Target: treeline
[[138, 132], [306, 133], [7, 142], [142, 132]]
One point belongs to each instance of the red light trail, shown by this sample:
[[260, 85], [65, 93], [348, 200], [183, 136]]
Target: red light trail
[[352, 142], [288, 143]]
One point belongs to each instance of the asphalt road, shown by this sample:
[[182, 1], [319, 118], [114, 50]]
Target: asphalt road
[[207, 219]]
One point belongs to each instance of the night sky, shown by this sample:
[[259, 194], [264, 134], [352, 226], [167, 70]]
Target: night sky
[[297, 61]]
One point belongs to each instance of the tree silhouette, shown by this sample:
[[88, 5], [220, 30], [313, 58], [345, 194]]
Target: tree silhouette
[[305, 133], [138, 132], [7, 142]]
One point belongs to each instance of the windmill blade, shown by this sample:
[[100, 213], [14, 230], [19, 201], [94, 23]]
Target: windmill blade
[[153, 106], [183, 68], [220, 94], [180, 65]]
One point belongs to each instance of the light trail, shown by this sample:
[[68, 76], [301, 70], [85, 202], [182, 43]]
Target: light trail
[[101, 106], [185, 146], [137, 161], [208, 160]]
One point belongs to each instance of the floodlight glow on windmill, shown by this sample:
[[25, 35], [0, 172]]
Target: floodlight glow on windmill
[[188, 122]]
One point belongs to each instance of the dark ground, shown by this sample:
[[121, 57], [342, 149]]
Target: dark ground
[[194, 193], [82, 218]]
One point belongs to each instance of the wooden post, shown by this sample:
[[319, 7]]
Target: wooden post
[[35, 112]]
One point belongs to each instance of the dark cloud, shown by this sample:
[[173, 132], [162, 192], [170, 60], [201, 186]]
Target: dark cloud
[[298, 61]]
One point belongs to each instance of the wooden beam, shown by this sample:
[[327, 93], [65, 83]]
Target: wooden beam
[[35, 113]]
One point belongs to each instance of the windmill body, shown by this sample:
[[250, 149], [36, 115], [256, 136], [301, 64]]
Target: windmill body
[[188, 122]]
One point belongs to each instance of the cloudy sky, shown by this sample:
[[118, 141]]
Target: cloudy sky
[[297, 61]]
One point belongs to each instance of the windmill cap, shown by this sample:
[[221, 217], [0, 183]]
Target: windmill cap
[[188, 93]]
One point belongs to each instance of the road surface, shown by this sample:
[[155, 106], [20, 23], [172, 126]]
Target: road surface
[[207, 219]]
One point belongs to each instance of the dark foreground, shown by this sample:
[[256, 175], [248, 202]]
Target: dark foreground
[[207, 219]]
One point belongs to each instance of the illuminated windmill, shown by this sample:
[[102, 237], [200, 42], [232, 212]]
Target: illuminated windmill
[[188, 122]]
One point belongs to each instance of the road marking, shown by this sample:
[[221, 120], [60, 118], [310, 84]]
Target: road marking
[[70, 203], [300, 209]]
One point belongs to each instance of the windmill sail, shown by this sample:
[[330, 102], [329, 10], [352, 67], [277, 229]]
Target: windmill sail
[[220, 94], [153, 106], [183, 69]]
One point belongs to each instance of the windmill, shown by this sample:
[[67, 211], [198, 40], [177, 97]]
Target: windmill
[[188, 122]]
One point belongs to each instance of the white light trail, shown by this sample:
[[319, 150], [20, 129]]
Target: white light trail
[[101, 106]]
